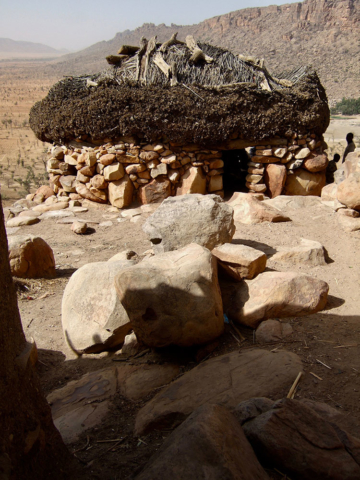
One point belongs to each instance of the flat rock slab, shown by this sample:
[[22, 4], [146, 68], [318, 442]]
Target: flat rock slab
[[12, 230], [309, 252], [276, 295], [293, 202], [22, 221], [210, 444], [250, 211], [71, 219], [56, 214], [294, 438], [348, 224], [83, 403], [240, 261], [225, 380], [137, 381]]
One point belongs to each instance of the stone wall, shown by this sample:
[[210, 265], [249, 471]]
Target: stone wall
[[123, 171], [294, 166], [119, 173]]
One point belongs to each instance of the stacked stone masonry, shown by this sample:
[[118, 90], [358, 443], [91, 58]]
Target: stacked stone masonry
[[123, 171]]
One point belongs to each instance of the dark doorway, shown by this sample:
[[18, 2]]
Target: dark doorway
[[235, 171]]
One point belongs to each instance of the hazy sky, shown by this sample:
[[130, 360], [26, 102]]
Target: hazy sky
[[76, 24]]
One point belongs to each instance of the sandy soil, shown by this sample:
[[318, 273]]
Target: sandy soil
[[332, 336]]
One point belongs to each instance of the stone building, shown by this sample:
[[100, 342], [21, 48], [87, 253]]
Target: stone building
[[184, 117]]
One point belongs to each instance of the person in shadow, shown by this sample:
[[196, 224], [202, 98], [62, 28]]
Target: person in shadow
[[331, 168], [350, 146]]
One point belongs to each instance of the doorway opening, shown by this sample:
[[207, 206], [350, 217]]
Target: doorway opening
[[235, 171]]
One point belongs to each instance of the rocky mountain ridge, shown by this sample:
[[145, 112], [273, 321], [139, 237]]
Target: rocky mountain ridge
[[19, 49], [322, 33]]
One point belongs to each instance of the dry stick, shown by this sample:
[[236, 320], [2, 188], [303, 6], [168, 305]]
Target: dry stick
[[324, 364], [110, 441], [316, 376], [85, 447], [192, 91], [242, 338], [238, 341], [292, 389], [346, 346]]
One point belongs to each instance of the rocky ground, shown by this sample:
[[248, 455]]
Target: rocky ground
[[327, 342]]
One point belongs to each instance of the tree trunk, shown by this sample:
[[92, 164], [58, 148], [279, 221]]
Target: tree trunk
[[30, 445]]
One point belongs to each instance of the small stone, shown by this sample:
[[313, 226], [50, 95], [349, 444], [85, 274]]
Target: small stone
[[159, 170], [79, 227], [107, 159], [272, 331], [303, 153]]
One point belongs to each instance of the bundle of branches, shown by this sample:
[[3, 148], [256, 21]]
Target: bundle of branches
[[188, 92]]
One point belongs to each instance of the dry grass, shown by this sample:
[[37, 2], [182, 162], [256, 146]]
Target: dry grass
[[21, 85]]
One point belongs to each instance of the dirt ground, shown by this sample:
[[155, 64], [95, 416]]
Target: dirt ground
[[331, 336]]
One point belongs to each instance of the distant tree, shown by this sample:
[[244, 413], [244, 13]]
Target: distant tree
[[347, 106]]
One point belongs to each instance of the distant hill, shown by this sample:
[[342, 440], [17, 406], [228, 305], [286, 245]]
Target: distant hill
[[19, 49], [323, 33]]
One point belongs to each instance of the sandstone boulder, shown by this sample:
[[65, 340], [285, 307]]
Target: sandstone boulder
[[316, 163], [348, 224], [348, 191], [226, 380], [240, 261], [179, 221], [275, 178], [302, 182], [20, 221], [250, 210], [295, 439], [201, 448], [30, 257], [173, 298], [121, 192], [82, 190], [329, 192], [276, 294], [93, 318], [113, 172], [68, 183], [193, 181], [309, 252], [155, 191], [46, 191]]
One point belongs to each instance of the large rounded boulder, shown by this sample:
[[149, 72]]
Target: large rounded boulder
[[30, 257], [193, 218], [173, 298]]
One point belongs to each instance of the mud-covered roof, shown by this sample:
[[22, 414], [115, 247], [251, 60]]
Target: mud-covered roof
[[186, 91]]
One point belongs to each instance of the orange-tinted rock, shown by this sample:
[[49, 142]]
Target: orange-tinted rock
[[275, 178], [155, 191], [316, 164], [45, 190], [302, 182], [348, 191], [82, 190]]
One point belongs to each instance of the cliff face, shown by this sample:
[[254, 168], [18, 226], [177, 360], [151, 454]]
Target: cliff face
[[322, 33]]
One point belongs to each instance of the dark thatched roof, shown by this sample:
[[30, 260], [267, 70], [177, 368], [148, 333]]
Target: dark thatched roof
[[190, 94]]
